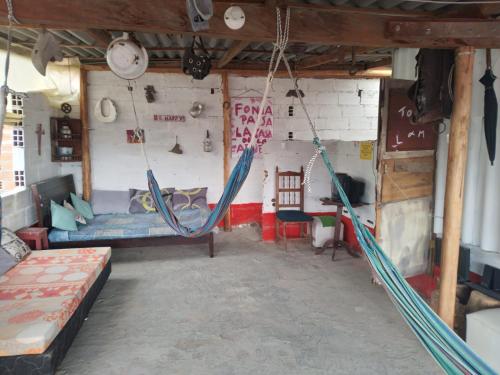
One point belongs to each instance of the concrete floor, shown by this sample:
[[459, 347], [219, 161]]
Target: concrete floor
[[253, 309]]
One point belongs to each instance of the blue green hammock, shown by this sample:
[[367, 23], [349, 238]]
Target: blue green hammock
[[451, 353]]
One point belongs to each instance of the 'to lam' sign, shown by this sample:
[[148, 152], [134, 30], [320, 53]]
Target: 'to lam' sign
[[244, 113]]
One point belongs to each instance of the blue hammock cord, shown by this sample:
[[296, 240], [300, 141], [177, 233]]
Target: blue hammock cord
[[449, 350], [233, 186]]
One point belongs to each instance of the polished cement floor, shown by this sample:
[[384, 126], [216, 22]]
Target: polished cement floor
[[253, 309]]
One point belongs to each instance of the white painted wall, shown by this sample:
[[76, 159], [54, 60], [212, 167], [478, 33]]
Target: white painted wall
[[339, 110], [17, 208]]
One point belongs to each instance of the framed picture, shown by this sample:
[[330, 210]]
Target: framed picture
[[135, 136]]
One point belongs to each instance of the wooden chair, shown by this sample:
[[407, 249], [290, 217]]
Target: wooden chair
[[289, 202]]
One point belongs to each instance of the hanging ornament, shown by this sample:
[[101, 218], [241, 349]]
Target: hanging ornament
[[207, 143]]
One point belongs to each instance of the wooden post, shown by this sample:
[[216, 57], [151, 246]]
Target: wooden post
[[86, 169], [226, 105], [454, 196]]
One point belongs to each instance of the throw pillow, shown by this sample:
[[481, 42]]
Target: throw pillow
[[6, 261], [13, 245], [78, 216], [141, 201], [190, 198], [110, 202], [82, 207], [62, 218]]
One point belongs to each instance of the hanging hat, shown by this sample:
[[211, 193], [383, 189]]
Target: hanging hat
[[234, 17], [199, 12], [99, 110], [46, 49], [127, 58]]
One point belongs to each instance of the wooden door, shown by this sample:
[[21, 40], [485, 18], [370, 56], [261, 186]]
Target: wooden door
[[405, 181]]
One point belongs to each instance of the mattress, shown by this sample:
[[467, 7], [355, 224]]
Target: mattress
[[40, 295], [116, 226]]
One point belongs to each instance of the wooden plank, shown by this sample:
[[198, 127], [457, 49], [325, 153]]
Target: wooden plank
[[232, 52], [243, 72], [407, 179], [309, 24], [226, 107], [86, 167], [334, 54], [101, 37], [444, 30], [454, 195]]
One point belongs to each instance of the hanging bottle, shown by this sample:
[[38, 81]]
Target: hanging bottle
[[207, 143]]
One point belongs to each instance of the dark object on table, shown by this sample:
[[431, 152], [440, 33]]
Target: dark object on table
[[463, 260], [490, 282], [432, 92], [490, 108], [290, 196], [354, 189]]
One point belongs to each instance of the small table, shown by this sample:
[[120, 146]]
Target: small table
[[336, 242], [38, 236]]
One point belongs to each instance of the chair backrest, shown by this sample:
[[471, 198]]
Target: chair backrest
[[289, 190]]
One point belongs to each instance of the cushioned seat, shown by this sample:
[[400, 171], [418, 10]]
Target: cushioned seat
[[293, 215]]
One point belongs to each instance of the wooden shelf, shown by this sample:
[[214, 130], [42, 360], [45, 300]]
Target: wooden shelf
[[57, 140]]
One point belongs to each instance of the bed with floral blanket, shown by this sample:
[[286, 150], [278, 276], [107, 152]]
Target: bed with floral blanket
[[43, 302]]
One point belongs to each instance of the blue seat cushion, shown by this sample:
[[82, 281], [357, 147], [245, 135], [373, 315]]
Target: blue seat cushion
[[293, 215]]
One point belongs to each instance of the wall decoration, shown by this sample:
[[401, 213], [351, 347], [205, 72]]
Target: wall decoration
[[196, 109], [366, 150], [177, 148], [136, 136], [244, 112], [105, 110], [207, 143], [150, 93], [170, 118]]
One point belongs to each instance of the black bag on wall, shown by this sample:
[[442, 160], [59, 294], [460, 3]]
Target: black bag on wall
[[432, 92]]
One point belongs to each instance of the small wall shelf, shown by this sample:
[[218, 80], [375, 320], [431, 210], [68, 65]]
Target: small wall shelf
[[60, 138]]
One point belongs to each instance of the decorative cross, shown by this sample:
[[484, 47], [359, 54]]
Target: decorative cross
[[39, 132]]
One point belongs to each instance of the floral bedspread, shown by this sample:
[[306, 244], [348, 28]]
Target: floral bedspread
[[40, 294]]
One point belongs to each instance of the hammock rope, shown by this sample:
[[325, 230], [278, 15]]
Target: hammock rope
[[242, 168], [450, 351]]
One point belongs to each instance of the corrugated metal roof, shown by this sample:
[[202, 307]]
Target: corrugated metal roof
[[164, 48]]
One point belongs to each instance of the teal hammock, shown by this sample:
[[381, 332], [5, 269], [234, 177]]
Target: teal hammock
[[449, 350]]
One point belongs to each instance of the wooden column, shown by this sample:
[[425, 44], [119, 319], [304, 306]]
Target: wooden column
[[454, 196], [86, 169], [227, 140]]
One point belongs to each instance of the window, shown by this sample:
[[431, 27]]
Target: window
[[18, 137], [12, 173], [19, 178]]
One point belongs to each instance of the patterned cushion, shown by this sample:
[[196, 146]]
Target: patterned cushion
[[141, 201], [190, 198], [293, 216], [78, 216], [14, 245], [82, 206], [7, 261]]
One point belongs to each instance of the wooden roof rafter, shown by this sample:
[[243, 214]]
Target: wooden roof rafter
[[333, 25]]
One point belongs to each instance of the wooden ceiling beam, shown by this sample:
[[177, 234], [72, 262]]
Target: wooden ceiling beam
[[102, 37], [309, 24], [438, 32], [235, 49], [333, 54], [249, 72]]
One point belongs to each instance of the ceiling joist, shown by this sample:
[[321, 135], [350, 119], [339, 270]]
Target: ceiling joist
[[309, 24], [235, 49]]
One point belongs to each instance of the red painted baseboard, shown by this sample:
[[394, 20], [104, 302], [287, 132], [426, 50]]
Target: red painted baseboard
[[243, 213]]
